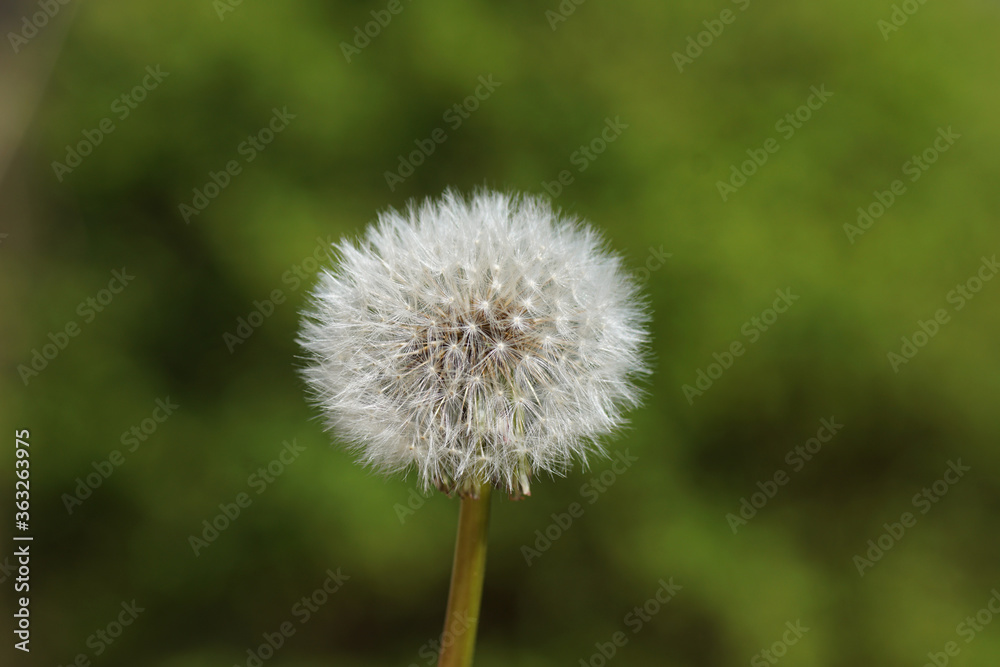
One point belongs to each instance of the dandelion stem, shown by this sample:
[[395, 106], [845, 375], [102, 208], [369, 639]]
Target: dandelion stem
[[468, 568]]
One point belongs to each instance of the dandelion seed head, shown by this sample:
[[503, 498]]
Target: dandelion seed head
[[479, 339]]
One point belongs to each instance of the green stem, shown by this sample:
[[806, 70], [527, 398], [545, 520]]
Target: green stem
[[467, 572]]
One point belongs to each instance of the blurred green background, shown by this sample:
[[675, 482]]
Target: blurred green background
[[555, 85]]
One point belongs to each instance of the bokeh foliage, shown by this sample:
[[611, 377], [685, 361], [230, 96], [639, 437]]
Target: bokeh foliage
[[655, 186]]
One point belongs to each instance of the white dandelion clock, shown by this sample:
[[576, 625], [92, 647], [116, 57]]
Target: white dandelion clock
[[478, 341], [481, 340]]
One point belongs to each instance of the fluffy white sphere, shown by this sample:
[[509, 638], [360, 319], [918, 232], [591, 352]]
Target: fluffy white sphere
[[475, 340]]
